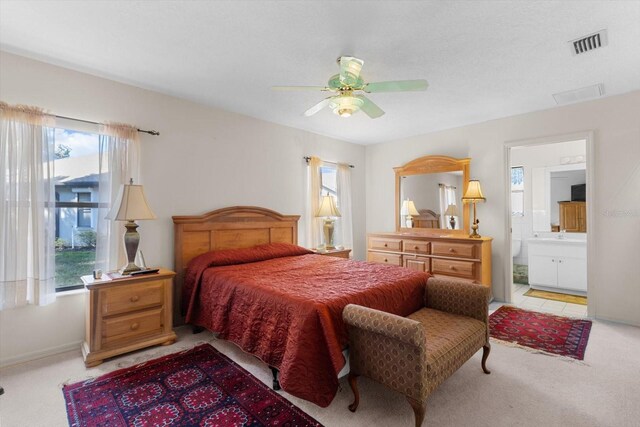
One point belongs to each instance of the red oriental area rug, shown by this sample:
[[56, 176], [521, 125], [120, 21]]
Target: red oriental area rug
[[196, 387], [555, 335]]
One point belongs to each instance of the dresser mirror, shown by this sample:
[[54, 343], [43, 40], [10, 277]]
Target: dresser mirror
[[429, 192]]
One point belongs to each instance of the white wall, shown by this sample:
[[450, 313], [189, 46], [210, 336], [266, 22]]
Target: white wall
[[616, 125], [538, 156], [204, 159]]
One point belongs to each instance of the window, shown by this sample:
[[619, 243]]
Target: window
[[84, 213], [517, 191], [76, 185], [329, 182]]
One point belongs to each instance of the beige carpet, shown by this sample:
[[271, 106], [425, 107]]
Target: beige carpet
[[524, 389]]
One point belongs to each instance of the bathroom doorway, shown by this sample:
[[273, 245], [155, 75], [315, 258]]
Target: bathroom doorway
[[549, 218]]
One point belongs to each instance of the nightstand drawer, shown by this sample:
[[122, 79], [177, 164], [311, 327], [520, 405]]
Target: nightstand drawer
[[127, 298], [131, 325]]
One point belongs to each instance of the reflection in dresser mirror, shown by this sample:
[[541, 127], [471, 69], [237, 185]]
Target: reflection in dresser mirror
[[429, 192], [559, 198]]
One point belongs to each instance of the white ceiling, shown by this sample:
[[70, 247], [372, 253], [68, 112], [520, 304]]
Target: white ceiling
[[483, 59]]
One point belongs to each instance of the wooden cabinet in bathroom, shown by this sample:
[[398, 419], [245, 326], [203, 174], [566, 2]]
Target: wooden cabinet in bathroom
[[573, 216]]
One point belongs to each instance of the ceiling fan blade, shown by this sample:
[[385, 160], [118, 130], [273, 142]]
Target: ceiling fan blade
[[301, 88], [319, 106], [350, 68], [396, 86], [370, 109]]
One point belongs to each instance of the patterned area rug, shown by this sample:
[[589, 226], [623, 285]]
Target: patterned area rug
[[196, 387], [555, 335], [574, 299]]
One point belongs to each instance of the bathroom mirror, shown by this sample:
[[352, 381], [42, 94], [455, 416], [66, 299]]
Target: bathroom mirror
[[429, 192], [559, 198]]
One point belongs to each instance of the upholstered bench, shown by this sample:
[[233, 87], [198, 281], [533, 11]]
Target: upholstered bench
[[413, 355]]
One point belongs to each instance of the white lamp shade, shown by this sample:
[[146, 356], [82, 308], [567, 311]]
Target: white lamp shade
[[409, 208], [328, 207], [474, 192], [130, 205], [452, 210]]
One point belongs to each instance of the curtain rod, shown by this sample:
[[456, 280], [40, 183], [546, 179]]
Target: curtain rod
[[307, 159], [150, 132]]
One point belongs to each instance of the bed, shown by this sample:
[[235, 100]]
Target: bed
[[251, 284]]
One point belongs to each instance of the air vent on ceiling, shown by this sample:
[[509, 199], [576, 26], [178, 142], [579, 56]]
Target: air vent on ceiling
[[588, 43], [579, 95]]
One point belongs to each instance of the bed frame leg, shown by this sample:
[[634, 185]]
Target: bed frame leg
[[197, 329], [276, 383]]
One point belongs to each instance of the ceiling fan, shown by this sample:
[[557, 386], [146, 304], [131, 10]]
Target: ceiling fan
[[346, 101]]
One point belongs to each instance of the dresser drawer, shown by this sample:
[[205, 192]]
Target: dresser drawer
[[382, 258], [384, 244], [449, 267], [415, 247], [416, 263], [454, 249], [129, 326], [127, 298]]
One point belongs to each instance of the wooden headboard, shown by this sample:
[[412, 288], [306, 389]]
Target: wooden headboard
[[228, 228]]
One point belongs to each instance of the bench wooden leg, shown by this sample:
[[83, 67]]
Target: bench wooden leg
[[485, 354], [353, 382], [419, 409]]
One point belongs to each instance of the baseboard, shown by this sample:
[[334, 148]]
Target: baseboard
[[614, 320], [34, 355]]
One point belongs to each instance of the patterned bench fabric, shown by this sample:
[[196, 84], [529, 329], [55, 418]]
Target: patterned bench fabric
[[414, 355]]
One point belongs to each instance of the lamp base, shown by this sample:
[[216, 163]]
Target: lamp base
[[131, 242], [474, 230], [328, 233], [452, 222]]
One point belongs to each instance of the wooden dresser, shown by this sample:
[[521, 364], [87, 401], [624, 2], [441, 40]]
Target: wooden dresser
[[573, 216], [455, 256], [127, 314]]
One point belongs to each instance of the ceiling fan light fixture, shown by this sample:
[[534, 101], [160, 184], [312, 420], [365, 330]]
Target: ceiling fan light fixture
[[346, 106]]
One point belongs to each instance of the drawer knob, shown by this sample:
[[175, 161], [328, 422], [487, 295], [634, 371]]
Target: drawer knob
[[385, 245], [134, 298], [416, 247], [385, 260], [134, 326], [451, 267], [451, 250]]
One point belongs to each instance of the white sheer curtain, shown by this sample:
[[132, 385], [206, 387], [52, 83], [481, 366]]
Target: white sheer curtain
[[313, 225], [27, 207], [344, 225], [118, 162], [447, 197]]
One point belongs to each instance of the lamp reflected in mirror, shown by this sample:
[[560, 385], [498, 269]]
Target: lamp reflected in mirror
[[452, 213], [329, 211], [408, 210]]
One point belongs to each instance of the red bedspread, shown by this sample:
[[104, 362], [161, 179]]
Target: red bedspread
[[288, 310]]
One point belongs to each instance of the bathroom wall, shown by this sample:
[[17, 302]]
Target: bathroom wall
[[531, 157]]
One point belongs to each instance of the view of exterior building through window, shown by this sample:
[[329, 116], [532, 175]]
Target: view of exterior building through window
[[76, 186]]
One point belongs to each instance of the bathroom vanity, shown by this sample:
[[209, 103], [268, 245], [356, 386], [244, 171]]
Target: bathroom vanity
[[558, 264]]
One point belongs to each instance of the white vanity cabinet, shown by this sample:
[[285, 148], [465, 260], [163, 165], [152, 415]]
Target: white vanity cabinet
[[558, 265]]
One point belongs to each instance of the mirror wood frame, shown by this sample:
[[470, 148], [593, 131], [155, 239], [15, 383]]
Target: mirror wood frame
[[434, 164]]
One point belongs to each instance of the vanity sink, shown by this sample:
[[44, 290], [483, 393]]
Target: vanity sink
[[556, 240]]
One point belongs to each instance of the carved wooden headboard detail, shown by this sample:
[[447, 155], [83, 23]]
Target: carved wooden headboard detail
[[228, 228]]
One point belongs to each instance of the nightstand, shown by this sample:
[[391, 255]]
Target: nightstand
[[338, 253], [127, 314]]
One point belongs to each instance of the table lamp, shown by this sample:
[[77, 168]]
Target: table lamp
[[408, 210], [474, 195], [329, 212], [130, 205], [452, 211]]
